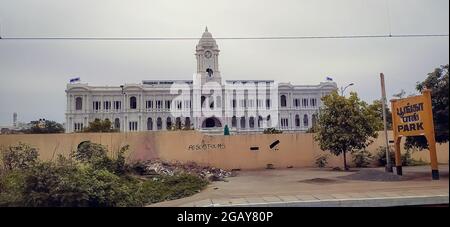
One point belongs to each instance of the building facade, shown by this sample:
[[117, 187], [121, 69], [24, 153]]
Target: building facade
[[205, 103]]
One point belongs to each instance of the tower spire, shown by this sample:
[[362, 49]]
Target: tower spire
[[206, 29]]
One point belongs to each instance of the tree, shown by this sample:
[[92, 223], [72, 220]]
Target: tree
[[377, 107], [437, 81], [45, 127], [100, 126], [346, 124]]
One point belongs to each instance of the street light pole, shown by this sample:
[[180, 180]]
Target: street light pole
[[343, 89], [388, 167]]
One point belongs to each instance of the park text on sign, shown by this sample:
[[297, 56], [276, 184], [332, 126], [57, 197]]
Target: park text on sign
[[410, 117]]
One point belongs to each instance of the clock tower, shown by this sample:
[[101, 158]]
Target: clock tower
[[207, 54]]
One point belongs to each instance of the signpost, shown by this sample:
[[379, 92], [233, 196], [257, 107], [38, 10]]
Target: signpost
[[413, 116]]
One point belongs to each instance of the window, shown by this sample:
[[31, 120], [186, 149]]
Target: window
[[133, 103], [283, 101], [305, 120], [297, 120], [169, 123], [304, 102], [78, 127], [159, 104], [107, 105], [233, 121], [284, 122], [187, 123], [251, 103], [251, 122], [313, 102], [259, 103], [168, 103], [314, 120], [133, 125], [117, 105], [233, 103], [117, 123], [96, 105], [178, 104], [149, 124], [178, 122], [260, 121], [268, 103], [78, 103], [242, 122], [159, 123], [296, 102], [149, 104]]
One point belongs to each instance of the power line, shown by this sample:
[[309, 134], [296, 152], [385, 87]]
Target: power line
[[223, 38]]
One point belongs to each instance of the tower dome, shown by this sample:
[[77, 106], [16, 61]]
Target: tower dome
[[207, 41]]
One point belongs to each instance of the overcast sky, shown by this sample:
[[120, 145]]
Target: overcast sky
[[33, 74]]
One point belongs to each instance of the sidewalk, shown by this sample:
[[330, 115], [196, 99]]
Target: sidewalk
[[315, 187]]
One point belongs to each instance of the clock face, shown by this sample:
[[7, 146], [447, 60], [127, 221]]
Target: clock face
[[208, 54]]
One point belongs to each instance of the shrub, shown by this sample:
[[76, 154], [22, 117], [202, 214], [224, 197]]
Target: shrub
[[171, 187], [380, 156], [272, 131], [49, 185], [21, 156], [322, 160], [362, 158], [87, 181]]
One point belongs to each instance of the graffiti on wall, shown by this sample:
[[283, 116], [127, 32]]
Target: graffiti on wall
[[205, 146]]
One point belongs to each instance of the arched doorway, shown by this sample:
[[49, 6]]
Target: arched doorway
[[211, 122]]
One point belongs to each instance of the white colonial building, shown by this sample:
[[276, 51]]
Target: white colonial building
[[205, 103]]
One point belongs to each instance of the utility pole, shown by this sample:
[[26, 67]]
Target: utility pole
[[388, 167]]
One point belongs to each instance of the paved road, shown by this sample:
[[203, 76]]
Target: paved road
[[320, 187]]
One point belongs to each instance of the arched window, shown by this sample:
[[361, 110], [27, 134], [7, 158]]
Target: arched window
[[159, 123], [233, 122], [297, 120], [260, 122], [169, 123], [283, 101], [117, 123], [149, 124], [314, 120], [187, 123], [178, 122], [78, 103], [251, 122], [305, 120], [133, 103], [242, 122]]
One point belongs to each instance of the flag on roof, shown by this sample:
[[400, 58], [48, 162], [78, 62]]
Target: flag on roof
[[329, 79], [73, 80]]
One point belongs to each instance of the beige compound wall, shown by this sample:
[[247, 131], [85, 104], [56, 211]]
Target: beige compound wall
[[229, 152]]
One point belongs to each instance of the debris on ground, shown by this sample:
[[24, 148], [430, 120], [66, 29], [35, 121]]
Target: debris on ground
[[158, 167], [373, 175]]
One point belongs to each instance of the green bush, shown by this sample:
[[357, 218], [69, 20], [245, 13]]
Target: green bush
[[322, 160], [406, 158], [380, 156], [362, 158], [91, 179], [272, 131], [171, 187], [21, 156]]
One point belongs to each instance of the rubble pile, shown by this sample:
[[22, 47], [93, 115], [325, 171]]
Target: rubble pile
[[158, 167]]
